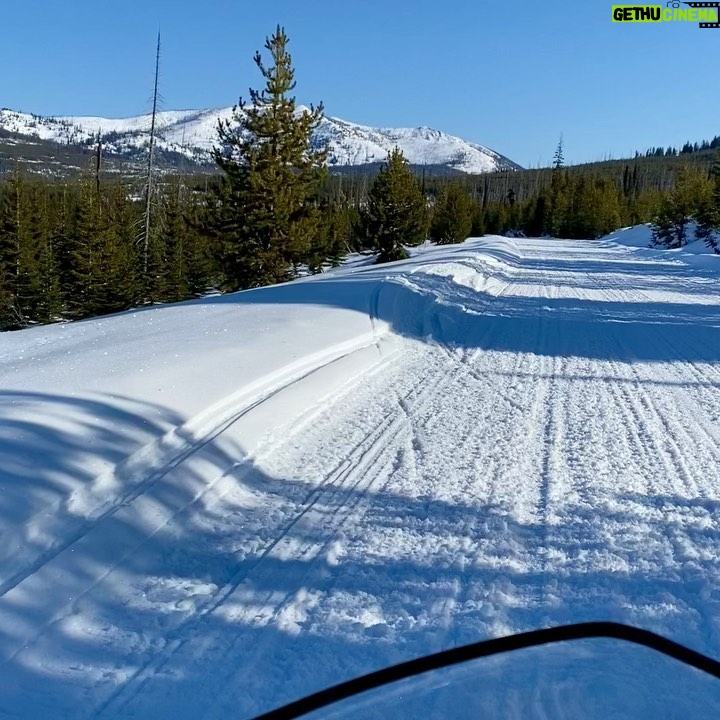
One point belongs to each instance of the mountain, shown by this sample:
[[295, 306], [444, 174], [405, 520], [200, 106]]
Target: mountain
[[189, 135]]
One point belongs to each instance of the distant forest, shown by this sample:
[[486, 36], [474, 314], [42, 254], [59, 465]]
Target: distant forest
[[73, 248], [102, 242]]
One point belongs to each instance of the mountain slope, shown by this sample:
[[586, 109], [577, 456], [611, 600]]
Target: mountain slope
[[192, 133]]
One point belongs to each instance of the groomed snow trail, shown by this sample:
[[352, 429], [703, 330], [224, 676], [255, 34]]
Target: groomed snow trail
[[535, 441]]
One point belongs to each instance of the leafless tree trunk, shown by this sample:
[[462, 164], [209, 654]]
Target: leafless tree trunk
[[98, 162], [150, 168]]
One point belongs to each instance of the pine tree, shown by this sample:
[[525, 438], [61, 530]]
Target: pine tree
[[51, 304], [591, 207], [558, 205], [34, 257], [558, 157], [179, 266], [395, 212], [334, 236], [9, 319], [106, 261], [535, 215], [670, 226], [264, 215], [11, 204], [452, 217], [708, 215], [477, 228]]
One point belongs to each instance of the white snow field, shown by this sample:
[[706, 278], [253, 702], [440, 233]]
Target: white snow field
[[212, 508]]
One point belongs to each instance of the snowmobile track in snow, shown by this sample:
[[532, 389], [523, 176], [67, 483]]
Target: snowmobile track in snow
[[536, 443], [367, 462], [166, 458]]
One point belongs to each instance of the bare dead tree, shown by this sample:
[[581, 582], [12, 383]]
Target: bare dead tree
[[150, 163], [98, 161]]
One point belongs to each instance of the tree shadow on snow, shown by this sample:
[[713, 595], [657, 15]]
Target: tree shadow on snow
[[275, 588], [437, 309], [418, 303]]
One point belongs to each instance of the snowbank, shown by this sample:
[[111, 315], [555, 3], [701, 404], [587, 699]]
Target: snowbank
[[696, 253]]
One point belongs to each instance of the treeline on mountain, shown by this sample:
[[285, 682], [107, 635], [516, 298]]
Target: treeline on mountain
[[687, 149], [62, 160], [72, 249], [576, 202], [642, 173], [76, 248]]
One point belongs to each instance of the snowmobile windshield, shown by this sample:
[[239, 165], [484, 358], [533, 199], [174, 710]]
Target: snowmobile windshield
[[598, 670]]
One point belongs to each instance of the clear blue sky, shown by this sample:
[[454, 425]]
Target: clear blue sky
[[510, 74]]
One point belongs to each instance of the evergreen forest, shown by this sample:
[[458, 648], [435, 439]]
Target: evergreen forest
[[97, 243]]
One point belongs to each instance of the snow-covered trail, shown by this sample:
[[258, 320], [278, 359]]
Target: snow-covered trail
[[535, 441]]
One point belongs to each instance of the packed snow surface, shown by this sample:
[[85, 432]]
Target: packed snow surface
[[212, 508]]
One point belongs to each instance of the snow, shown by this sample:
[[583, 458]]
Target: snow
[[353, 144], [194, 133], [695, 253], [638, 236], [215, 507]]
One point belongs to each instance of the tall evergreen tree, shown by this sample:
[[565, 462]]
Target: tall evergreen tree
[[179, 267], [558, 205], [559, 157], [708, 215], [11, 211], [334, 236], [265, 215], [692, 191], [106, 260], [452, 217], [535, 214], [477, 229], [9, 318], [395, 213], [36, 277], [11, 193]]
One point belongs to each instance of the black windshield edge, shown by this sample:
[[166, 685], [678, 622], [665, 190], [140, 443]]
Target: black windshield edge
[[495, 646]]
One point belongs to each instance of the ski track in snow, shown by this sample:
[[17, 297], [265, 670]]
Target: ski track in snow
[[534, 441]]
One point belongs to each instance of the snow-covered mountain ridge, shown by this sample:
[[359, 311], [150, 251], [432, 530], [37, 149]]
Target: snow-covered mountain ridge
[[193, 133]]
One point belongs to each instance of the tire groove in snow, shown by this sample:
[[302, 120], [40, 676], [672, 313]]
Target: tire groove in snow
[[117, 522], [347, 477], [148, 466], [463, 490]]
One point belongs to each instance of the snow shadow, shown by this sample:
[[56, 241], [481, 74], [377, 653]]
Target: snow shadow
[[275, 589], [51, 443], [67, 462], [435, 308]]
